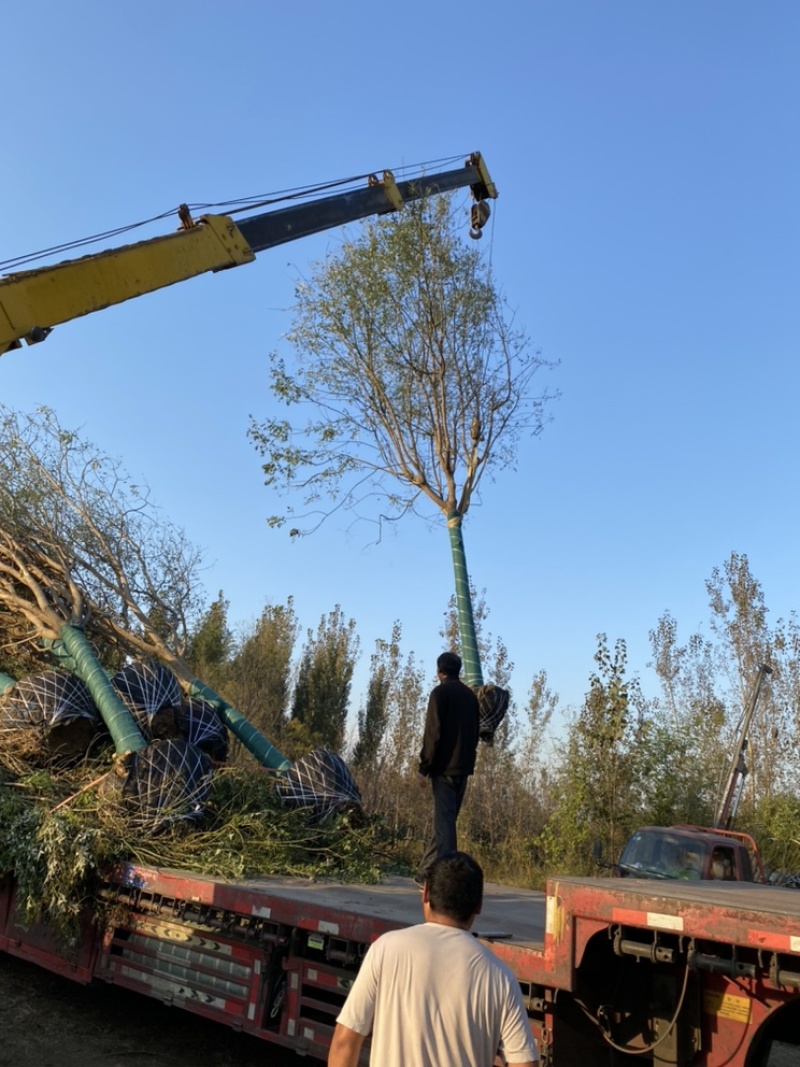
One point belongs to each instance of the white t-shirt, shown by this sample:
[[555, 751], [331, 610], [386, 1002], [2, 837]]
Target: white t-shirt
[[434, 996]]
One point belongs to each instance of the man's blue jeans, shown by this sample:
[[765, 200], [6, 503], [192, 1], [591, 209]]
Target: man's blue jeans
[[448, 794]]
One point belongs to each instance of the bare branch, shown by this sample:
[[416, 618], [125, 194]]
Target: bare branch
[[80, 542], [414, 379]]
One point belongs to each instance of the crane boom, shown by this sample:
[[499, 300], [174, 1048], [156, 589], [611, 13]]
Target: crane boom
[[32, 302], [738, 771]]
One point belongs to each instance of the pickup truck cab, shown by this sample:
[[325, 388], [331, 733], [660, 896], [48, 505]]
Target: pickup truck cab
[[690, 853]]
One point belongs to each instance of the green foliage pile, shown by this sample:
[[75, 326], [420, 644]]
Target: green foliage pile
[[60, 852]]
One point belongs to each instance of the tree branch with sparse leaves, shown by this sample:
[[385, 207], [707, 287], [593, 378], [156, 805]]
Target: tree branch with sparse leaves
[[410, 382]]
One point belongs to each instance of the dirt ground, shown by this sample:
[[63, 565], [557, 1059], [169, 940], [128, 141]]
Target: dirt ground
[[47, 1021]]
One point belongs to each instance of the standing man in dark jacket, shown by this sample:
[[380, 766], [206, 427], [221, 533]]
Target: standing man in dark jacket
[[448, 754]]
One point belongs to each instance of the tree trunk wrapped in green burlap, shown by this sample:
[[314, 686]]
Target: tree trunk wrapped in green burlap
[[161, 783]]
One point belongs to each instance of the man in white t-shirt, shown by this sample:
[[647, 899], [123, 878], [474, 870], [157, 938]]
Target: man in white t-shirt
[[433, 995]]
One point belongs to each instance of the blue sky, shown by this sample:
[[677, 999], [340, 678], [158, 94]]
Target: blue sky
[[648, 163]]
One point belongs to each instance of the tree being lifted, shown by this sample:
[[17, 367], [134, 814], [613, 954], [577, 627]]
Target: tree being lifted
[[417, 381]]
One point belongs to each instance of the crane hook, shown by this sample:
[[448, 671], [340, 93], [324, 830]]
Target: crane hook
[[478, 217]]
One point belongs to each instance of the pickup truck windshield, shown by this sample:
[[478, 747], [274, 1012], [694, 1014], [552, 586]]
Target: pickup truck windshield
[[662, 854], [653, 852]]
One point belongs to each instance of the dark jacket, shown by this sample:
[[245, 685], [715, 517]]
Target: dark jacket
[[451, 730]]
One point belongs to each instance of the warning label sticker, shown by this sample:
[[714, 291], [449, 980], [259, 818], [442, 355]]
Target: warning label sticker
[[727, 1006]]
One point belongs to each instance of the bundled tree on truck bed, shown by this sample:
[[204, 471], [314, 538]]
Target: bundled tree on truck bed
[[100, 591]]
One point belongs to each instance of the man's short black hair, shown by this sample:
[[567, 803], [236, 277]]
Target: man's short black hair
[[450, 664], [455, 886]]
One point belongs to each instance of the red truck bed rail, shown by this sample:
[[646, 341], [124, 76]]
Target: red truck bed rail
[[676, 973]]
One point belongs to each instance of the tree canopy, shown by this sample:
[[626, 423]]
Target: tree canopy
[[410, 380]]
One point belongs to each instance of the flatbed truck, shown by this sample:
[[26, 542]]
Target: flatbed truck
[[613, 971]]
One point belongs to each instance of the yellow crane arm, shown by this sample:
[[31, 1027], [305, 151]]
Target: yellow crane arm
[[32, 302]]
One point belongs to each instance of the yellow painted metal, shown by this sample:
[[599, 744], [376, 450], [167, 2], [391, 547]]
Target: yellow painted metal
[[728, 1006], [393, 194], [477, 161], [51, 295]]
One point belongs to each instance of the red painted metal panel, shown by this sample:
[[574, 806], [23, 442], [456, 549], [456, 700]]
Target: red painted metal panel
[[732, 914], [190, 968], [223, 949], [284, 901], [732, 1013], [37, 943]]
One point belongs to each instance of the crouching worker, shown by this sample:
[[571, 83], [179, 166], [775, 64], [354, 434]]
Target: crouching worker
[[433, 995]]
